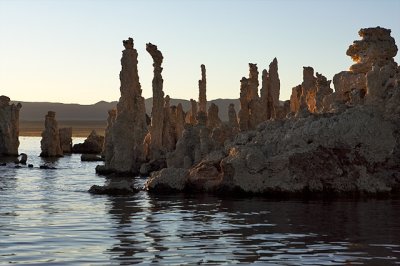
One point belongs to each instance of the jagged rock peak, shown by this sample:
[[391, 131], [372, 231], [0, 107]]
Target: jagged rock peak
[[155, 53], [128, 44]]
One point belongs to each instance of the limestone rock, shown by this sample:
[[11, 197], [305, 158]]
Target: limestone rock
[[233, 120], [347, 82], [213, 119], [191, 116], [167, 179], [157, 112], [93, 144], [9, 127], [202, 90], [50, 143], [114, 187], [130, 127], [295, 99], [66, 139], [108, 147], [244, 113], [180, 121], [376, 47]]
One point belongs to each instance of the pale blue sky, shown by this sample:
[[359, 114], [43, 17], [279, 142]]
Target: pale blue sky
[[69, 51]]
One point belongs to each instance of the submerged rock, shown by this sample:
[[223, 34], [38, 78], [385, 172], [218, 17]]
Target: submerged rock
[[93, 144], [91, 158], [114, 186]]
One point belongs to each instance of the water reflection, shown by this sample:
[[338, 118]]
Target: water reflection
[[209, 230]]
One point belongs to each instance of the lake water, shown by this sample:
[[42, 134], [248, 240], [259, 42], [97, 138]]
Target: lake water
[[48, 218]]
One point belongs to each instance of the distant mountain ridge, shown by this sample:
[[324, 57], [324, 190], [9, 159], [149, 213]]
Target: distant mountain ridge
[[35, 111]]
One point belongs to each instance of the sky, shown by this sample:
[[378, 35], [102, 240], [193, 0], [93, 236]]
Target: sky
[[69, 51]]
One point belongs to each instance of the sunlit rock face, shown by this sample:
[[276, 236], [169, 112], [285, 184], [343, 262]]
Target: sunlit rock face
[[66, 139], [376, 47], [9, 127], [348, 142], [50, 143], [124, 143]]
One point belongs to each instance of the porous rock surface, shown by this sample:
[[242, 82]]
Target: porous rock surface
[[9, 127], [125, 133], [351, 146]]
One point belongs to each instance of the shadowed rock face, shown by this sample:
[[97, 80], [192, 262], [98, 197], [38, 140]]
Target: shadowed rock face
[[93, 144], [348, 144], [50, 143], [124, 143], [9, 127], [203, 90], [157, 112], [66, 139]]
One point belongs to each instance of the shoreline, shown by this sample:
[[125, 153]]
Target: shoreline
[[80, 128]]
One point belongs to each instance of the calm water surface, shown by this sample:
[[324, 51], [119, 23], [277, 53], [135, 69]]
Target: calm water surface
[[48, 218]]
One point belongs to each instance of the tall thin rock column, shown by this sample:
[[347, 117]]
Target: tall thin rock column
[[244, 105], [129, 128], [203, 90], [157, 113], [275, 84]]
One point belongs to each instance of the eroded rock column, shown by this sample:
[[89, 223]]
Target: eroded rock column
[[9, 127], [50, 143], [157, 113], [129, 128], [203, 90]]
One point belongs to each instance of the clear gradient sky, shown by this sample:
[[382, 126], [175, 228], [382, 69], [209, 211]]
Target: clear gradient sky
[[69, 50]]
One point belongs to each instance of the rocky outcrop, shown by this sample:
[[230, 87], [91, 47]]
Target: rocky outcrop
[[311, 95], [125, 152], [376, 47], [350, 150], [157, 112], [9, 127], [66, 139], [50, 143], [203, 90], [93, 144]]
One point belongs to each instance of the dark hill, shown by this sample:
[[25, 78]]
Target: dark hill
[[35, 111]]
